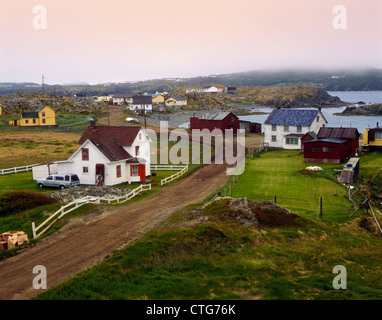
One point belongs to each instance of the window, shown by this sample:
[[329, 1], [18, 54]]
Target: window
[[67, 178], [292, 141], [85, 154], [85, 169], [49, 178], [140, 136], [299, 128], [58, 178], [34, 120], [327, 149], [232, 119], [378, 135], [134, 170], [137, 151], [286, 128], [273, 138], [43, 120], [316, 149], [318, 118], [43, 114], [274, 127], [118, 171], [26, 121]]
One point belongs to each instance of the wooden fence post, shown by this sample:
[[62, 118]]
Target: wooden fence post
[[274, 199], [320, 207]]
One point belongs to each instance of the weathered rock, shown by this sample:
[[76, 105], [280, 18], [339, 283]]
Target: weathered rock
[[71, 194]]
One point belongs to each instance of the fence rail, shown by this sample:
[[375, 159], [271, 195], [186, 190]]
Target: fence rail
[[166, 167], [16, 169], [80, 202], [174, 176]]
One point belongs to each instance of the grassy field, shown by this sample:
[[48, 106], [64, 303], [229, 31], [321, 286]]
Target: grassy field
[[20, 148], [223, 260], [281, 173]]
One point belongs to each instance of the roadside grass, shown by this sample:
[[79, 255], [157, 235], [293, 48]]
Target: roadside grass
[[281, 174], [218, 261], [23, 222]]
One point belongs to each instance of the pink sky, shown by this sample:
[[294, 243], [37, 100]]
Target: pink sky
[[120, 40]]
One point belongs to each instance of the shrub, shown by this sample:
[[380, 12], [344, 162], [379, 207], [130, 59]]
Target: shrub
[[13, 202]]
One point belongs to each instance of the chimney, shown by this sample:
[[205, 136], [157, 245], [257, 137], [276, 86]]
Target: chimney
[[95, 136], [92, 122], [278, 107], [319, 108]]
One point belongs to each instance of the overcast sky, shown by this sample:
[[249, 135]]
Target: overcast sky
[[101, 41]]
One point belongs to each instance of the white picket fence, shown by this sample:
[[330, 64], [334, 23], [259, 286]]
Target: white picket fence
[[16, 169], [80, 202], [174, 176]]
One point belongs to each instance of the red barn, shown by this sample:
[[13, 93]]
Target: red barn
[[332, 145], [223, 121]]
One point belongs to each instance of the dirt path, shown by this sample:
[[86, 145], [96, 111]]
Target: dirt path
[[87, 241]]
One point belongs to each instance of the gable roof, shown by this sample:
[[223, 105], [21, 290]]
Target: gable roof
[[219, 116], [337, 133], [142, 99], [111, 140], [292, 117], [125, 95], [177, 98]]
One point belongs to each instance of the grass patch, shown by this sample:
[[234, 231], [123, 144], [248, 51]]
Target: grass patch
[[279, 173], [222, 261]]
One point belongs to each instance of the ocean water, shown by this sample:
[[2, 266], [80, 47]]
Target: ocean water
[[359, 122], [357, 96]]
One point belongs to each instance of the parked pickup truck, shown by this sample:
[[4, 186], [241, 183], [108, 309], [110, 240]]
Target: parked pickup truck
[[59, 181]]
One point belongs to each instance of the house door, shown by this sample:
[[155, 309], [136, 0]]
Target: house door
[[100, 174], [142, 172]]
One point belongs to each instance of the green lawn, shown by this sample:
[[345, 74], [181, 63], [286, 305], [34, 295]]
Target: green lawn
[[280, 173], [19, 181]]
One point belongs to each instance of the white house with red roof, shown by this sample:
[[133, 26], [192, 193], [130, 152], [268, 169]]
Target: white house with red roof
[[110, 156]]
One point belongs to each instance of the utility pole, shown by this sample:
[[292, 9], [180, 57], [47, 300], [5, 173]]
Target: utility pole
[[55, 98], [42, 83]]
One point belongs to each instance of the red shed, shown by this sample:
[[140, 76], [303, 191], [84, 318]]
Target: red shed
[[327, 150], [332, 145], [350, 134], [223, 121]]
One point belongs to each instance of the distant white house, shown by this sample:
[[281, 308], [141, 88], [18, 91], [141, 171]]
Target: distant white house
[[123, 98], [140, 103], [211, 89], [205, 89], [284, 128], [110, 156]]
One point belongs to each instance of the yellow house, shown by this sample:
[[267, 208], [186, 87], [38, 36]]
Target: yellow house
[[372, 138], [102, 98], [1, 110], [157, 98], [176, 102], [43, 116]]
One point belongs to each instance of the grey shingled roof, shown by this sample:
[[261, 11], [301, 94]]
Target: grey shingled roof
[[292, 117], [219, 116]]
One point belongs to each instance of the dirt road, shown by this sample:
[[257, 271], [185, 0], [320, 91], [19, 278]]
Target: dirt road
[[89, 239]]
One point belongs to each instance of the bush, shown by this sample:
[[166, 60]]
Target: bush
[[13, 202]]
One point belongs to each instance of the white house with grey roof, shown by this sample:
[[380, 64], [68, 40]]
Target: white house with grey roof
[[284, 128]]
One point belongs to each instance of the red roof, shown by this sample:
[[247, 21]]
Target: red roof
[[337, 133], [111, 140]]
